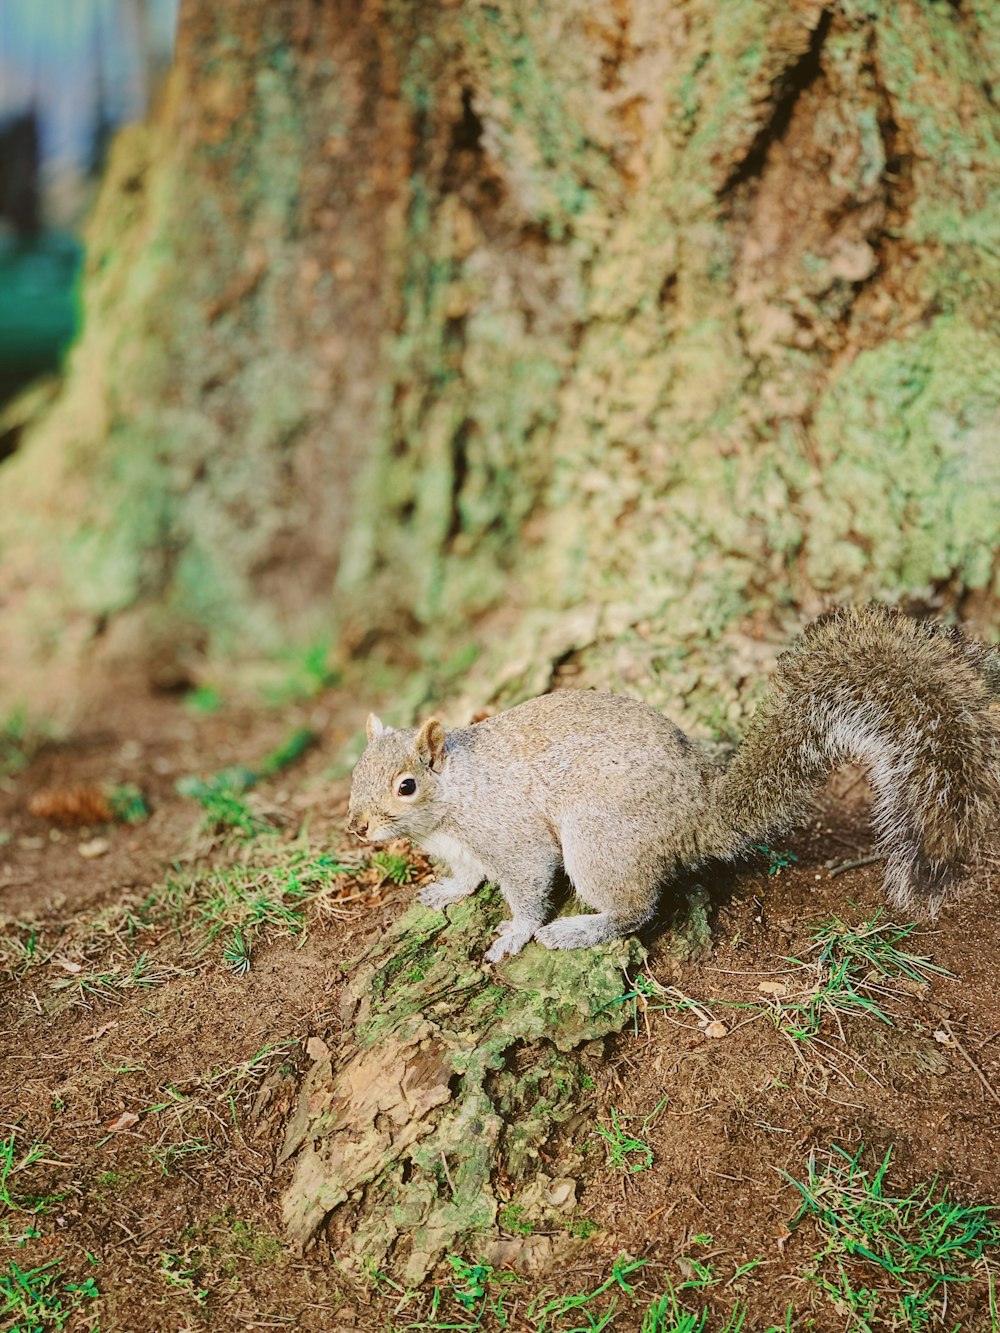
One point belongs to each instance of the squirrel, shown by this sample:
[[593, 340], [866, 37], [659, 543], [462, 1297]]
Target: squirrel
[[611, 790]]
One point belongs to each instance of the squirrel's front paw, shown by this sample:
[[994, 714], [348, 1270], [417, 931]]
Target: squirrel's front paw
[[511, 940], [442, 892]]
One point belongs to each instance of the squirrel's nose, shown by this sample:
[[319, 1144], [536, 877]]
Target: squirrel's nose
[[357, 824]]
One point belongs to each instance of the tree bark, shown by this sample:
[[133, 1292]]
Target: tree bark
[[410, 313]]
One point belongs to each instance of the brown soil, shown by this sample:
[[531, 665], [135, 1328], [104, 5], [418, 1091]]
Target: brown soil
[[194, 1178]]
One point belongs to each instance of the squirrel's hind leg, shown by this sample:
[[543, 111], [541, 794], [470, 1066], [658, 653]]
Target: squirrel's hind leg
[[609, 870], [580, 932]]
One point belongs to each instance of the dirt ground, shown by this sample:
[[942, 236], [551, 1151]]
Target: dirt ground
[[154, 1082]]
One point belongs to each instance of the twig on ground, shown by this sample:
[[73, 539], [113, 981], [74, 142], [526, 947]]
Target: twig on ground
[[853, 865], [971, 1063]]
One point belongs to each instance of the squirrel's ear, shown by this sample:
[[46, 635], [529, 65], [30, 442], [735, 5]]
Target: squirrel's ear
[[375, 729], [430, 743]]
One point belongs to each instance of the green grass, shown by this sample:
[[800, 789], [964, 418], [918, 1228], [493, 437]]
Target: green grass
[[872, 946], [228, 812], [205, 699], [128, 805], [243, 900], [853, 971], [222, 795], [397, 869], [236, 954], [17, 956], [111, 983], [886, 1256], [14, 1161], [625, 1151], [851, 974], [168, 1155], [307, 672], [36, 1300], [477, 1299], [289, 752], [645, 989], [699, 1273], [240, 902], [667, 1314], [585, 1311], [20, 740], [250, 898]]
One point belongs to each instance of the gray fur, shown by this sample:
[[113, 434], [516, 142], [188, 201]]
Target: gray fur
[[611, 790]]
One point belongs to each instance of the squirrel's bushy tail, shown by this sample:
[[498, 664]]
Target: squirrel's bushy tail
[[913, 702]]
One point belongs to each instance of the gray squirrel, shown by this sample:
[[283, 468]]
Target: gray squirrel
[[606, 787]]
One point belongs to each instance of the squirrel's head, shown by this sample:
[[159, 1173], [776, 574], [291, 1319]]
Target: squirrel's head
[[396, 781]]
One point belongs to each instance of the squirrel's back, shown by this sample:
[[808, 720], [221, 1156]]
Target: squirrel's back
[[575, 748]]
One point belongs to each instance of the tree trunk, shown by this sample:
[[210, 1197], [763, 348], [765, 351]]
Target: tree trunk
[[192, 484], [668, 312]]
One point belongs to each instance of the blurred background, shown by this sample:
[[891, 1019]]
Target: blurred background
[[71, 73]]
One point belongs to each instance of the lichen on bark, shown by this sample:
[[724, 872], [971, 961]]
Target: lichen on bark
[[763, 250]]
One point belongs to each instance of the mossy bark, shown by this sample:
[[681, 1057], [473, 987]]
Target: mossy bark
[[699, 313], [450, 1083], [410, 313]]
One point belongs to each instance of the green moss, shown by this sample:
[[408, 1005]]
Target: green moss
[[511, 1218]]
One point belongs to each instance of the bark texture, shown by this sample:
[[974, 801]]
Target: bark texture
[[666, 312], [699, 315]]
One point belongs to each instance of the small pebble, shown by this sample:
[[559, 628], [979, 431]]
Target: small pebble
[[94, 848]]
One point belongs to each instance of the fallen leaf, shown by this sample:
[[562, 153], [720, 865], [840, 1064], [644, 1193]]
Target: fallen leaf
[[67, 966], [124, 1121], [317, 1049], [100, 1032], [716, 1030], [944, 1038], [773, 987], [94, 848]]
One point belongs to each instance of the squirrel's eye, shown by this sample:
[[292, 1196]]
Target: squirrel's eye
[[406, 786]]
